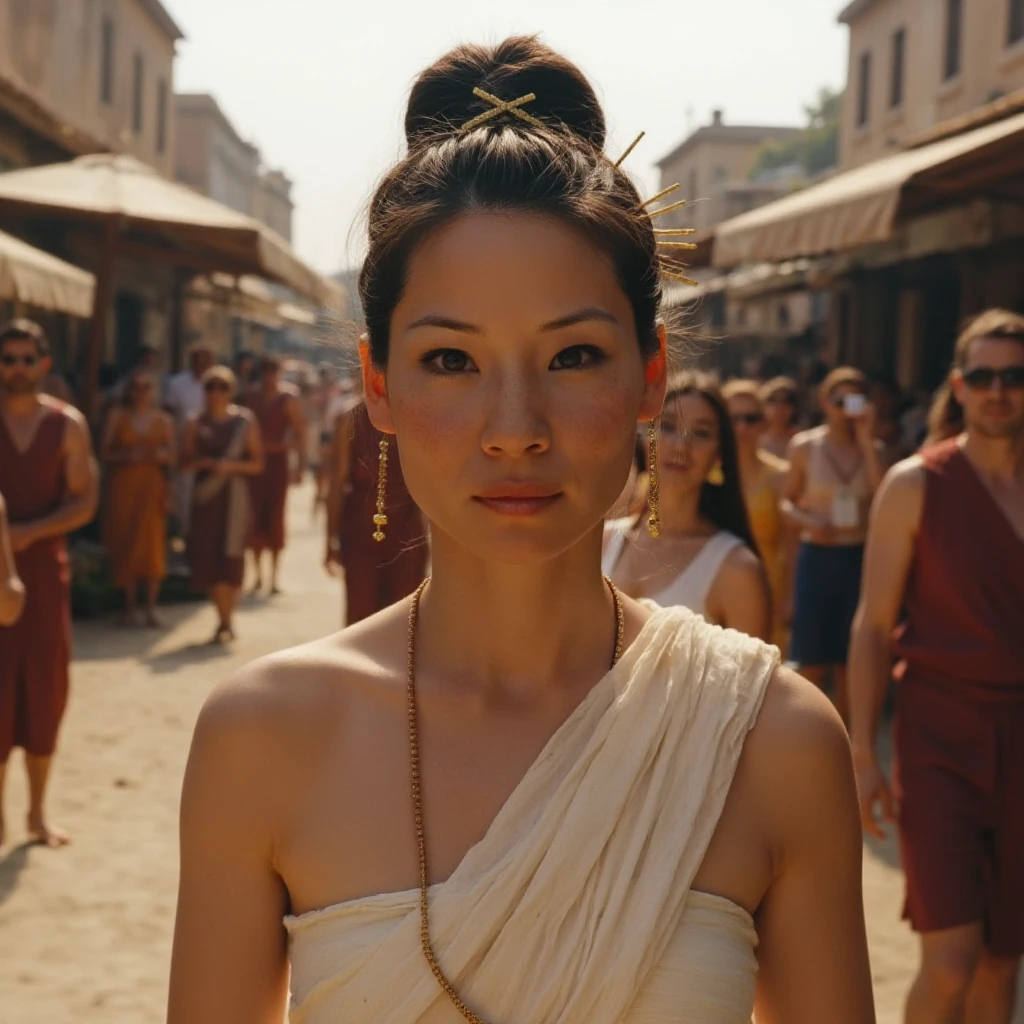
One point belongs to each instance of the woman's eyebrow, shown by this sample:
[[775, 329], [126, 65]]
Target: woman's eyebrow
[[446, 323], [581, 316]]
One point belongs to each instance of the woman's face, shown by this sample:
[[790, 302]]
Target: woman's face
[[141, 392], [780, 409], [747, 421], [689, 442], [218, 396], [514, 385]]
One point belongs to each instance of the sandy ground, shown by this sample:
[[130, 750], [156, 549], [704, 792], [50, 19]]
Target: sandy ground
[[85, 933]]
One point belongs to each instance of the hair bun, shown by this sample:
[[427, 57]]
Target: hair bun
[[442, 99]]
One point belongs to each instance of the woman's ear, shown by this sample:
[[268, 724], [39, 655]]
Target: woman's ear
[[375, 390], [655, 380]]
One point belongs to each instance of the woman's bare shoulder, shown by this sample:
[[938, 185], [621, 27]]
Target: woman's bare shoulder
[[798, 753], [287, 697]]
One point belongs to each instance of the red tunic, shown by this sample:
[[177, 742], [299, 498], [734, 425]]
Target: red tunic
[[378, 574], [959, 731], [35, 651], [208, 558], [269, 490], [965, 595]]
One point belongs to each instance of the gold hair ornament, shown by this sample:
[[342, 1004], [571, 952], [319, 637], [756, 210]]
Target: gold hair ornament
[[502, 107]]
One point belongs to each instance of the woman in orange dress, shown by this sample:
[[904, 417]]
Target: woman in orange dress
[[137, 447], [762, 475]]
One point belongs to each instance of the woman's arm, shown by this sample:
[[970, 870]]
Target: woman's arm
[[229, 964], [812, 944], [740, 597], [109, 450], [12, 590], [252, 464]]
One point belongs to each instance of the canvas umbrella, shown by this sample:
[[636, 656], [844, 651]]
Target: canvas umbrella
[[132, 211]]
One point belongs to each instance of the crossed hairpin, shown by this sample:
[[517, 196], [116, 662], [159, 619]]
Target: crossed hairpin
[[501, 106]]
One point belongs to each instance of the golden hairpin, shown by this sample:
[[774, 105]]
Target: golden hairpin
[[675, 231], [667, 209], [677, 245], [677, 277], [502, 107], [660, 195], [629, 149]]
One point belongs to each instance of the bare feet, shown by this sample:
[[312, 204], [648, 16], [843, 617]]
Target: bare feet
[[153, 621], [224, 634], [47, 835], [275, 590]]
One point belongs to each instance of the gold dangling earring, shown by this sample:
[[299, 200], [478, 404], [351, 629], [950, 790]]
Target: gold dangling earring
[[380, 519], [715, 475], [653, 483]]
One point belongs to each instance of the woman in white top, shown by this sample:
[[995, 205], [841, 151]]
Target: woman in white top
[[619, 813], [705, 557]]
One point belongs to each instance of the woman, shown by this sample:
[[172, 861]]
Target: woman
[[705, 557], [12, 590], [598, 849], [780, 398], [762, 476], [137, 448], [222, 447]]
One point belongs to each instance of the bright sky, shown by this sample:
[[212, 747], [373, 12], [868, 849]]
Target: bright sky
[[320, 85]]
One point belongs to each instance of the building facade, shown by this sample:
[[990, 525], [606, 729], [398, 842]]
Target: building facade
[[213, 158], [713, 165], [86, 77], [916, 63]]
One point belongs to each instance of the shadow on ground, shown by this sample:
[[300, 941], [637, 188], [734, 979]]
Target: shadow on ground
[[103, 639], [11, 868]]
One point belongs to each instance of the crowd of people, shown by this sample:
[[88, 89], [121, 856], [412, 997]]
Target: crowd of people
[[624, 798]]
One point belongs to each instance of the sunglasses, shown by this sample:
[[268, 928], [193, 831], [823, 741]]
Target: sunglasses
[[217, 385], [981, 378], [749, 419], [26, 361]]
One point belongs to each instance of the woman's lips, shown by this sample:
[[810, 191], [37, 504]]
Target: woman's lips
[[518, 499]]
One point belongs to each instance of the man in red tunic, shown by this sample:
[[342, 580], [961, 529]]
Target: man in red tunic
[[282, 423], [945, 560], [49, 480]]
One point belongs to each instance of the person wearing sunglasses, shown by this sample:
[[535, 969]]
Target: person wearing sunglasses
[[762, 476], [834, 471], [137, 448], [49, 479], [945, 561], [779, 399], [222, 446]]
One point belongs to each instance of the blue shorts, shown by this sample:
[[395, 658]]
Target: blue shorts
[[826, 590]]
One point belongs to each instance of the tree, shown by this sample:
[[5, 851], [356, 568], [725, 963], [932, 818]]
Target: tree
[[816, 148]]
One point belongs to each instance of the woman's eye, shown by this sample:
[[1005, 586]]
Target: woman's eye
[[702, 434], [448, 360], [577, 357]]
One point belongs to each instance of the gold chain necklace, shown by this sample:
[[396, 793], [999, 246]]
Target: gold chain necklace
[[417, 795]]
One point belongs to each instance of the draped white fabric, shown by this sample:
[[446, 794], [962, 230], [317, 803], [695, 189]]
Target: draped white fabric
[[576, 906]]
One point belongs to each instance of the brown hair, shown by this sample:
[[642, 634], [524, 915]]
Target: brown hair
[[945, 416], [556, 169], [23, 329], [269, 361], [993, 323], [723, 504], [839, 376]]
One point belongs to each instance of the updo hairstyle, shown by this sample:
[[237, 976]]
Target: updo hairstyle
[[505, 165]]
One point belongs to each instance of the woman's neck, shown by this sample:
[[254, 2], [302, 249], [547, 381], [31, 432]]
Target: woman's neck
[[512, 634]]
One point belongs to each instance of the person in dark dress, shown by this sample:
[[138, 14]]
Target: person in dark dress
[[377, 574], [945, 559], [282, 424], [222, 446], [50, 483]]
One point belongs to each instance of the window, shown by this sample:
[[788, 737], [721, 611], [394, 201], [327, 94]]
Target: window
[[107, 61], [693, 184], [899, 46], [864, 90], [1015, 33], [954, 29], [161, 116], [137, 94]]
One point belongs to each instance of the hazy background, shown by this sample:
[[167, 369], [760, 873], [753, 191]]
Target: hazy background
[[320, 85]]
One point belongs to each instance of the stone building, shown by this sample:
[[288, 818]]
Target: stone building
[[714, 165], [916, 63], [213, 158], [86, 77]]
